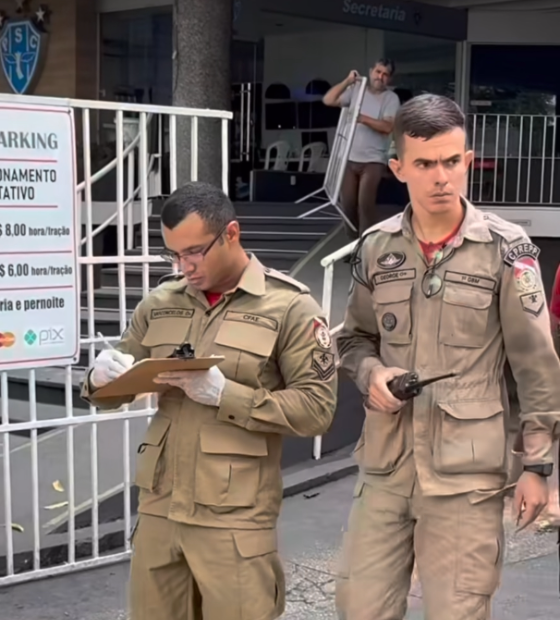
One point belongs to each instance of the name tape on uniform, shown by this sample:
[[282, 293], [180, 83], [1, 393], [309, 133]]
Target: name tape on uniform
[[253, 319], [470, 280], [392, 276], [167, 313]]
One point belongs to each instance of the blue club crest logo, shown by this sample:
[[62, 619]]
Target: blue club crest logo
[[23, 42]]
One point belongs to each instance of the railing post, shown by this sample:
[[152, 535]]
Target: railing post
[[194, 148], [328, 280], [130, 201], [225, 156], [327, 306]]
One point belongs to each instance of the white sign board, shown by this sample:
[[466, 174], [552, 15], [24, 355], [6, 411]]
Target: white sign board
[[39, 280]]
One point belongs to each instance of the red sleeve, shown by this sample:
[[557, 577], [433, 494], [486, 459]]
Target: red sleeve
[[555, 298]]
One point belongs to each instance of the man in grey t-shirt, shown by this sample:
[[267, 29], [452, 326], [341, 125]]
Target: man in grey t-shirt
[[370, 148]]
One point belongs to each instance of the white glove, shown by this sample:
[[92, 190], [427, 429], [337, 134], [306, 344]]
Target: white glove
[[109, 365], [202, 386]]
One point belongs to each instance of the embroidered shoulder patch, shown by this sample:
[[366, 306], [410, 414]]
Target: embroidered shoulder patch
[[323, 364], [533, 303], [522, 250], [322, 333]]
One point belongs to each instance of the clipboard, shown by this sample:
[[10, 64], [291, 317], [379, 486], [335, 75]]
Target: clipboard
[[139, 378]]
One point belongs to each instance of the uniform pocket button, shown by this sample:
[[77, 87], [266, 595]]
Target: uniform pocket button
[[231, 417]]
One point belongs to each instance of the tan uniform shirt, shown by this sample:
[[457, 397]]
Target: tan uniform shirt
[[220, 467], [491, 306]]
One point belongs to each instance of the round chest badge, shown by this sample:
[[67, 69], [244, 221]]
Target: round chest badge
[[322, 334], [389, 321]]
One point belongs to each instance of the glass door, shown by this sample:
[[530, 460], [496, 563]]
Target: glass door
[[246, 93]]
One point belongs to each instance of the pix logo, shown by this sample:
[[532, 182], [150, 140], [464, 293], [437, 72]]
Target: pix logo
[[7, 340], [44, 337]]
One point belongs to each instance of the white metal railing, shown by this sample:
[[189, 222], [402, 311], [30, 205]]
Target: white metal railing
[[516, 159], [23, 483], [129, 155], [328, 263]]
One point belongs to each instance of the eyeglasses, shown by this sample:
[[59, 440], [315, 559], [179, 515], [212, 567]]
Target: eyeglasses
[[194, 258], [432, 282]]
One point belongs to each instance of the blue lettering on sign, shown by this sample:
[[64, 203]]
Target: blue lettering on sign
[[20, 49], [375, 11]]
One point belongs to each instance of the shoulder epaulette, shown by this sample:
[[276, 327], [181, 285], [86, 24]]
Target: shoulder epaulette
[[507, 230], [391, 224], [170, 277], [278, 275]]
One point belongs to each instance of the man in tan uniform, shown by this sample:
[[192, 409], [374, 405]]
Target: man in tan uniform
[[209, 466], [442, 288]]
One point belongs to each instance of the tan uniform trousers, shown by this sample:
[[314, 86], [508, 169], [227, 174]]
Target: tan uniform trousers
[[458, 546], [185, 572]]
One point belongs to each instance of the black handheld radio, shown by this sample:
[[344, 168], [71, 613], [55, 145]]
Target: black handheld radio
[[407, 386]]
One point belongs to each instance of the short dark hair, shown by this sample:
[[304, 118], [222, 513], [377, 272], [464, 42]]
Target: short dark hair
[[387, 62], [209, 202], [426, 116]]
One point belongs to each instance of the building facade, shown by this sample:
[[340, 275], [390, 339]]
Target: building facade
[[493, 57]]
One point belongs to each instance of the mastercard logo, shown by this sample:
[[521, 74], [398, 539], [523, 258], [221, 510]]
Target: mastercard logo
[[7, 339]]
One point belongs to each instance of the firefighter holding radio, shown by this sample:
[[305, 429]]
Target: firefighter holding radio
[[442, 289]]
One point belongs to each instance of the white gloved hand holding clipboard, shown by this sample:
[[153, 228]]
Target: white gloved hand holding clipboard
[[119, 376]]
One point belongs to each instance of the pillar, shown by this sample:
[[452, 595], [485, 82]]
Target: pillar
[[201, 79]]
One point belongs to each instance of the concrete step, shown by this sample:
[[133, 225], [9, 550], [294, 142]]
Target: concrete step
[[263, 208], [250, 226], [270, 239], [133, 275], [280, 219], [287, 224], [108, 297], [280, 240], [275, 209], [107, 321], [49, 386], [275, 259]]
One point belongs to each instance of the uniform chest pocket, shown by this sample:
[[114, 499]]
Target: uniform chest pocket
[[464, 316], [228, 466], [246, 349], [164, 335], [392, 307], [470, 438]]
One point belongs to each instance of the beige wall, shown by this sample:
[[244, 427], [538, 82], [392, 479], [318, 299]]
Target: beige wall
[[71, 65]]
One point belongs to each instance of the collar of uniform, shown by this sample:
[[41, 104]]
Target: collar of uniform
[[474, 226], [395, 224], [252, 281]]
